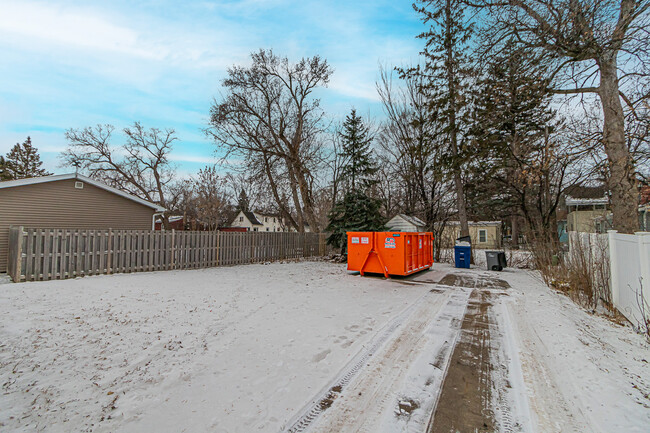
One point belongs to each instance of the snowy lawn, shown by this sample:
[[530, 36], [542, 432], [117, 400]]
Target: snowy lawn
[[220, 350], [582, 372], [264, 347]]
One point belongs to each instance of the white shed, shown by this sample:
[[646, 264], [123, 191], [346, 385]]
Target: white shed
[[406, 223]]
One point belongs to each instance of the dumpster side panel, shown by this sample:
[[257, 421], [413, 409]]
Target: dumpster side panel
[[390, 246], [400, 253], [358, 251]]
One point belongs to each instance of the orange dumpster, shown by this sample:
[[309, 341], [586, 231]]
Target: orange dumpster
[[389, 253]]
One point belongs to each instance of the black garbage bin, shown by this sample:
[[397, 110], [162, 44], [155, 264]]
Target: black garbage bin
[[496, 260]]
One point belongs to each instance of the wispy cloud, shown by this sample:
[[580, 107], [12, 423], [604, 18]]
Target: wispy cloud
[[73, 28], [203, 159], [72, 64]]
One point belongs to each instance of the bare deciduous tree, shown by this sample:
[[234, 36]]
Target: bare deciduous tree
[[140, 166], [211, 199], [269, 118], [412, 156], [592, 46]]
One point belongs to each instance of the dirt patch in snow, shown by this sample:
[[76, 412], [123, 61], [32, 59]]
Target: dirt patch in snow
[[474, 281], [464, 403], [406, 406], [327, 401]]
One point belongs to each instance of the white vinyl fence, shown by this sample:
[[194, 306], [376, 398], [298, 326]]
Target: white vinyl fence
[[630, 267], [590, 252], [618, 266]]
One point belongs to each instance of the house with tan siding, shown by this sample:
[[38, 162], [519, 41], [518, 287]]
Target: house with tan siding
[[484, 234], [69, 201], [588, 215]]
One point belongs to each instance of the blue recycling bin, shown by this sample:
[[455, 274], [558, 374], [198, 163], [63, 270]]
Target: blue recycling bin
[[462, 256]]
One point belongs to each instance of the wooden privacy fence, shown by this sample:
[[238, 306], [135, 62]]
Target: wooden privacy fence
[[49, 254]]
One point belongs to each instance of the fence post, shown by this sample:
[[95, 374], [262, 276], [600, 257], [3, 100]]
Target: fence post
[[643, 242], [613, 266], [14, 265], [173, 248]]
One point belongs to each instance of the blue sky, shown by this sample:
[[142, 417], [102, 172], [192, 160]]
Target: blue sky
[[70, 64]]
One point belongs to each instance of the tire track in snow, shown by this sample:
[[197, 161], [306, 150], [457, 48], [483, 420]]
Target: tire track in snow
[[368, 397], [306, 416]]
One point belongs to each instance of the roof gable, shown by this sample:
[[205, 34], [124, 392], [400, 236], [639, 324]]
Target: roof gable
[[409, 219], [57, 177], [252, 218]]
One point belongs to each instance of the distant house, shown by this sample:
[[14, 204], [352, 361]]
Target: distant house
[[69, 201], [176, 222], [593, 215], [233, 229], [588, 215], [484, 234], [406, 223], [259, 222]]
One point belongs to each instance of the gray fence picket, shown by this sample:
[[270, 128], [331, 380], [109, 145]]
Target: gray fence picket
[[46, 254]]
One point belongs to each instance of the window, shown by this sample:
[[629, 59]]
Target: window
[[266, 219], [273, 219], [255, 229], [241, 219], [267, 229], [482, 236]]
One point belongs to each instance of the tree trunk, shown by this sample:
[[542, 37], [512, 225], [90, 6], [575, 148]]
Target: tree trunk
[[294, 194], [515, 231], [622, 181], [274, 189], [460, 203], [451, 63], [165, 221], [307, 200]]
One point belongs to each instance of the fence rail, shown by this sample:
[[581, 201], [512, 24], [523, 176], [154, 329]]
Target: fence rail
[[49, 254], [618, 266], [630, 264]]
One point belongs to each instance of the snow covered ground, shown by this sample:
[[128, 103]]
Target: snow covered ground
[[309, 347]]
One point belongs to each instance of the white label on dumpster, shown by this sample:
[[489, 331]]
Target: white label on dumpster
[[355, 240], [389, 243], [365, 240], [420, 243]]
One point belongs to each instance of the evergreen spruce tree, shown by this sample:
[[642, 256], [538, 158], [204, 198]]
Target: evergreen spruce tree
[[356, 212], [4, 174], [23, 161], [513, 118], [446, 79], [359, 168], [512, 106], [242, 201]]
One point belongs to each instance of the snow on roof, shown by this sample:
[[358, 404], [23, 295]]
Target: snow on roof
[[476, 223], [409, 219], [266, 214], [57, 177], [412, 219], [571, 201]]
